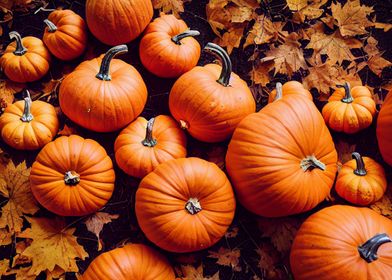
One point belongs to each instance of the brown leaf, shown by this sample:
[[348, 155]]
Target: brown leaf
[[260, 73], [95, 224], [167, 6], [7, 90], [296, 5], [309, 11], [189, 272], [4, 265], [227, 257], [232, 232], [218, 17], [344, 150], [240, 14], [268, 262], [384, 26], [232, 38], [384, 205], [5, 237], [68, 130], [374, 61]]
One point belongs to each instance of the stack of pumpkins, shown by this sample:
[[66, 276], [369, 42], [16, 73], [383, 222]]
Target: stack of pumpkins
[[281, 160]]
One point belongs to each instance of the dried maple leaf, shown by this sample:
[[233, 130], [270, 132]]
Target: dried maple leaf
[[189, 272], [384, 205], [95, 224], [227, 257], [7, 90], [384, 26], [268, 262], [296, 5], [4, 265], [344, 150], [310, 10], [218, 17], [232, 232], [260, 73], [240, 14], [5, 237], [232, 38], [374, 60], [167, 6]]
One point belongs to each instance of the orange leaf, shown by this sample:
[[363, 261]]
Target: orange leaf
[[167, 6], [95, 223], [227, 257], [7, 90], [384, 205], [189, 272]]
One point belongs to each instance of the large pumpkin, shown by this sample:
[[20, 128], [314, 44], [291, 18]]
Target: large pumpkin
[[282, 160], [290, 87], [384, 129], [209, 101], [185, 205], [116, 22], [133, 261], [72, 176], [103, 94], [343, 242]]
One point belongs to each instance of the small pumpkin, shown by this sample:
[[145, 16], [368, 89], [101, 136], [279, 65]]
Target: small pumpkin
[[343, 242], [115, 22], [25, 60], [65, 34], [185, 205], [27, 125], [290, 87], [168, 48], [72, 176], [349, 110], [282, 160], [143, 145], [384, 129], [106, 101], [361, 181], [209, 101]]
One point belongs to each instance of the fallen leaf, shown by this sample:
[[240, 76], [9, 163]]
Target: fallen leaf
[[68, 130], [260, 73], [167, 6], [189, 272], [344, 150], [374, 60], [227, 257], [218, 17], [296, 5], [21, 273], [5, 237], [384, 26], [232, 38], [217, 155], [310, 10], [240, 14], [232, 232], [268, 262], [7, 90], [4, 265], [95, 224], [384, 205]]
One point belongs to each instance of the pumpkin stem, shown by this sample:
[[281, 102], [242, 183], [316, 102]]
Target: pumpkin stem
[[51, 26], [311, 162], [103, 73], [187, 33], [20, 49], [224, 58], [193, 206], [27, 116], [71, 178], [279, 92], [347, 96], [149, 141], [360, 170], [184, 124], [368, 250]]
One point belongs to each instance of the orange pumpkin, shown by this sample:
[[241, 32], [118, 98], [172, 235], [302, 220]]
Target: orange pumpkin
[[106, 101], [290, 87], [27, 125], [116, 22], [143, 145], [282, 160], [209, 101], [133, 261], [72, 176], [361, 181], [25, 60], [343, 242], [65, 34], [167, 48], [349, 110], [384, 129], [185, 205]]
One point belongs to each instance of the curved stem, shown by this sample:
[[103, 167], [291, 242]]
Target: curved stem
[[20, 49], [279, 91], [187, 33], [51, 26], [193, 206], [368, 250], [311, 162], [360, 170], [347, 96], [149, 141], [103, 73], [71, 178], [222, 55], [27, 116]]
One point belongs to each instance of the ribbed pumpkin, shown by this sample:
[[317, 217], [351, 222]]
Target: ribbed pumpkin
[[185, 205], [209, 101], [143, 145], [290, 87], [167, 48], [72, 176], [27, 125], [133, 261], [103, 94], [282, 160], [116, 22], [343, 242], [25, 60], [384, 129], [65, 34], [349, 110]]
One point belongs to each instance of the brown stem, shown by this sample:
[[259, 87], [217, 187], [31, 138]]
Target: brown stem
[[149, 141], [311, 162], [368, 250], [279, 91], [347, 96], [51, 26], [193, 206], [222, 55], [20, 49], [27, 116], [187, 33], [103, 73], [71, 178], [360, 170]]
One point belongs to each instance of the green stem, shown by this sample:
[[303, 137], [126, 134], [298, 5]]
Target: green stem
[[51, 26], [279, 91], [27, 116], [311, 162], [103, 73], [20, 49], [222, 55], [368, 250], [187, 33], [149, 141], [360, 170], [347, 96]]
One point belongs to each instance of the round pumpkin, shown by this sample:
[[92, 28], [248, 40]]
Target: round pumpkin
[[209, 101], [116, 22], [290, 87], [167, 48], [282, 160], [27, 125], [72, 176], [103, 94], [143, 145], [25, 60], [65, 34], [185, 205], [343, 242], [384, 129], [349, 110]]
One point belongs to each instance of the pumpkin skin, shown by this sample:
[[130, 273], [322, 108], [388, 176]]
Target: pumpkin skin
[[326, 245], [167, 49], [25, 60], [282, 160], [185, 205], [72, 176], [65, 34], [142, 145], [349, 110], [291, 87], [361, 181], [106, 101], [116, 22], [27, 125], [209, 101], [133, 261], [384, 129]]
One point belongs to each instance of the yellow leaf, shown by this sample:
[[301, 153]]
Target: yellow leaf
[[374, 60], [7, 91], [189, 272], [4, 265], [218, 17], [167, 6], [95, 223], [227, 257], [384, 26], [5, 237], [296, 5], [239, 14]]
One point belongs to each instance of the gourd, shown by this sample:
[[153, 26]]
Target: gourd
[[384, 129]]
